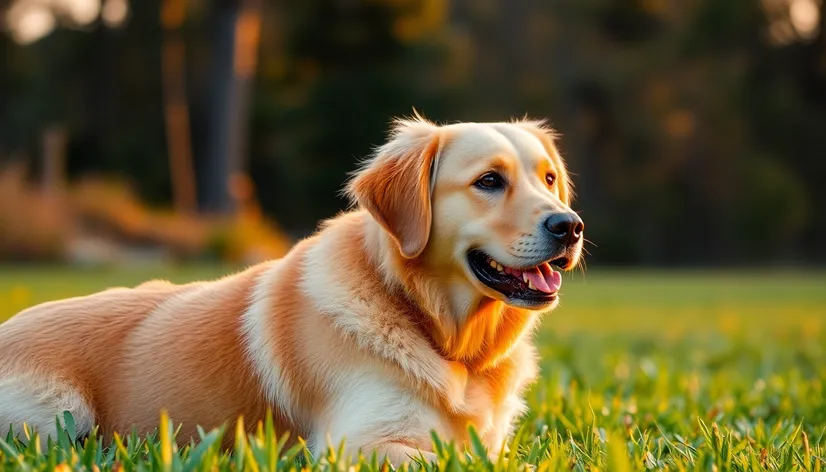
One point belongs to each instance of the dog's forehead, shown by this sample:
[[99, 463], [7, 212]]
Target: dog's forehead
[[480, 140], [527, 144]]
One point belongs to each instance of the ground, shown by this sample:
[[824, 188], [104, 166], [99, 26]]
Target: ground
[[641, 370]]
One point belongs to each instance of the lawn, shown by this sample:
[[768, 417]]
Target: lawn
[[641, 370]]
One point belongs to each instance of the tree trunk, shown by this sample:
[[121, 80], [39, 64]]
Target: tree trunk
[[176, 107], [55, 140], [237, 33]]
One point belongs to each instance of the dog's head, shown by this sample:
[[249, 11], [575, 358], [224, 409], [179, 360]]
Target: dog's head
[[481, 205]]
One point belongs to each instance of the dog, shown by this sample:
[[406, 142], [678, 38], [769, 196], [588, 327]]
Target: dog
[[412, 312]]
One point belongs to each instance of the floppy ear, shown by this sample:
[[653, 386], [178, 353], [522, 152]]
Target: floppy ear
[[547, 136], [394, 186]]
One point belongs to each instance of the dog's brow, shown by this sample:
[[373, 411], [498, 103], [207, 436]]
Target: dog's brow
[[536, 163], [545, 159]]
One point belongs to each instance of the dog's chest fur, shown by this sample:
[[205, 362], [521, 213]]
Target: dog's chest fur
[[490, 408], [390, 375]]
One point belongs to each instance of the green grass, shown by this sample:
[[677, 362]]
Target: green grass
[[641, 370]]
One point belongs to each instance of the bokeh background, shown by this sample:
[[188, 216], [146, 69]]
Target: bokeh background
[[134, 130], [185, 139]]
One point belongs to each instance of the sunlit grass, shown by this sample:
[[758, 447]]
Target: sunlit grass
[[641, 370]]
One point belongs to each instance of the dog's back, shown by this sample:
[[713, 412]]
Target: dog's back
[[73, 332], [80, 352]]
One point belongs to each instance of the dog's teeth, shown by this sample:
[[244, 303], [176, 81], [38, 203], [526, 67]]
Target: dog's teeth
[[493, 263], [525, 276], [499, 267], [530, 285]]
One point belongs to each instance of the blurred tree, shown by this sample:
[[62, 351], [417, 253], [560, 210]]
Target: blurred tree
[[694, 129], [236, 34], [176, 106], [333, 76]]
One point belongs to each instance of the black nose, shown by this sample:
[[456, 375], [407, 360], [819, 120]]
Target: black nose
[[565, 227]]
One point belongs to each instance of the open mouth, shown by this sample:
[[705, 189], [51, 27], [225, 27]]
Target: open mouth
[[539, 284]]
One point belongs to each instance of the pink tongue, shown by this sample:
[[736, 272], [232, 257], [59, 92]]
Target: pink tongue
[[552, 277], [545, 279]]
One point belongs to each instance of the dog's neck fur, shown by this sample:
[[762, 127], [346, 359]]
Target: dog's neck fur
[[463, 325]]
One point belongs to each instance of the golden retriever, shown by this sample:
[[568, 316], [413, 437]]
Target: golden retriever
[[413, 312]]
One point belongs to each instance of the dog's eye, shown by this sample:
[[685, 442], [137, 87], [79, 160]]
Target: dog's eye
[[490, 181], [550, 179]]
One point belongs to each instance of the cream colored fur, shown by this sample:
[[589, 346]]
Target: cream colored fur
[[374, 330]]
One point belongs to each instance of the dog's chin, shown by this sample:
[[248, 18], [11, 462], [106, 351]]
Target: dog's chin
[[532, 288]]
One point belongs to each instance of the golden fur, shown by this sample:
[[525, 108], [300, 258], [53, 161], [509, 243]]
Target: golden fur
[[371, 330]]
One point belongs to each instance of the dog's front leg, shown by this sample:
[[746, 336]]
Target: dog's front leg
[[373, 412], [398, 452]]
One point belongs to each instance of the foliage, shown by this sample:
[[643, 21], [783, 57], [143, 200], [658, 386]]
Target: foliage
[[246, 236], [641, 371], [694, 129], [38, 226], [33, 225]]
